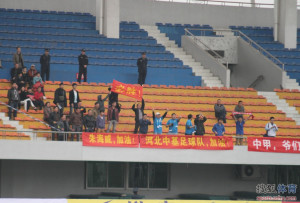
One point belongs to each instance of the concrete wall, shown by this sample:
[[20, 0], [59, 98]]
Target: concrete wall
[[250, 65], [57, 179]]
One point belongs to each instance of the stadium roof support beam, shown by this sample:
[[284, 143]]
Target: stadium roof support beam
[[285, 23]]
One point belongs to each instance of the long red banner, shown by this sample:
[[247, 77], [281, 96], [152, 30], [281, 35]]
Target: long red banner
[[186, 142], [110, 140], [269, 144], [135, 91]]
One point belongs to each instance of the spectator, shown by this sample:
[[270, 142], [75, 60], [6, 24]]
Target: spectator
[[0, 64], [37, 78], [26, 98], [82, 108], [25, 75], [31, 73], [63, 125], [239, 108], [83, 62], [239, 122], [157, 121], [96, 110], [76, 122], [219, 128], [142, 68], [100, 122], [113, 97], [144, 123], [15, 71], [101, 102], [38, 98], [220, 111], [45, 65], [20, 81], [18, 58], [173, 124], [113, 117], [47, 112], [139, 112], [199, 124], [271, 128], [189, 127], [60, 98], [89, 122], [74, 98], [53, 120], [13, 101]]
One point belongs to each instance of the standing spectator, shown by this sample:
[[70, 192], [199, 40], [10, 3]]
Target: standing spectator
[[89, 122], [220, 111], [144, 123], [74, 98], [96, 110], [271, 128], [199, 124], [239, 108], [139, 112], [60, 98], [100, 122], [14, 72], [101, 102], [45, 65], [53, 120], [0, 64], [18, 58], [82, 108], [113, 117], [113, 97], [76, 122], [37, 78], [142, 68], [63, 125], [83, 62], [26, 98], [189, 127], [219, 128], [13, 101], [38, 98], [157, 121], [173, 124], [240, 128], [47, 112], [25, 75]]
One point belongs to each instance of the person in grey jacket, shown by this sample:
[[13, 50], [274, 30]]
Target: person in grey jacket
[[18, 58], [101, 102], [220, 111], [63, 125], [13, 100]]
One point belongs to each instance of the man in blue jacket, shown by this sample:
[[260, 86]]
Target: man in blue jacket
[[144, 123], [157, 121], [219, 128], [173, 124], [189, 127]]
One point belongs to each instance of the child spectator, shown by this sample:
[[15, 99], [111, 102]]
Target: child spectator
[[157, 121], [173, 124], [100, 123], [37, 78], [189, 127], [219, 128]]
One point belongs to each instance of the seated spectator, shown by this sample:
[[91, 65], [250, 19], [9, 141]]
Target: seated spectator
[[144, 123], [100, 122], [240, 129], [271, 128], [112, 117], [25, 75], [76, 123], [15, 71], [47, 112], [199, 124], [189, 127], [239, 108], [38, 98], [219, 128], [89, 122], [31, 73], [26, 98], [157, 121], [220, 111], [172, 124], [63, 125], [37, 78], [53, 120], [13, 101], [20, 81]]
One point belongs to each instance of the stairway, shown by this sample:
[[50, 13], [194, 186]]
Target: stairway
[[282, 105], [288, 83], [207, 77]]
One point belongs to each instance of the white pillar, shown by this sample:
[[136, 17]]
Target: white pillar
[[276, 20], [287, 23], [99, 16], [111, 18]]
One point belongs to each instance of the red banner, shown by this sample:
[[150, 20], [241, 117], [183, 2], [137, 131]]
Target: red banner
[[186, 142], [270, 144], [110, 140], [134, 91]]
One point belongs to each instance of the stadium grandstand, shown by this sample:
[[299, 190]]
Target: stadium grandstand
[[149, 101]]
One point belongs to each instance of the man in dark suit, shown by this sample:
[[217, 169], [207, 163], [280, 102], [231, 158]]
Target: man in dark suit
[[83, 62], [74, 98], [139, 112], [142, 68], [60, 98], [45, 65]]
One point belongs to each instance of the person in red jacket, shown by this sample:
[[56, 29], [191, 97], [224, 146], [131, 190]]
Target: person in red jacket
[[38, 98], [113, 116]]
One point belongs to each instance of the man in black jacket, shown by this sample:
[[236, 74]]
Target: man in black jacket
[[199, 123], [13, 100], [60, 98], [74, 98], [83, 62], [45, 65], [89, 122], [142, 68], [139, 112], [113, 97], [54, 119], [15, 71]]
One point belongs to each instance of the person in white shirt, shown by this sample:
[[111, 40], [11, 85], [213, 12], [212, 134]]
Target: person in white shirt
[[271, 128], [74, 98]]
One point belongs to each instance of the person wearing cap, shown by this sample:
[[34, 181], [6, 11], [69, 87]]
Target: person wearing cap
[[172, 124], [83, 62], [139, 112], [144, 123], [74, 98], [157, 121], [60, 98], [18, 58], [45, 65], [189, 127], [31, 73], [142, 68]]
